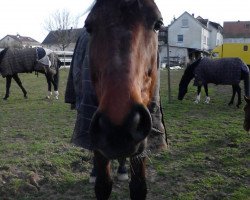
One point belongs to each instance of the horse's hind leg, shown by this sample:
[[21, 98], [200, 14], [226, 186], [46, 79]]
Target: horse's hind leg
[[233, 95], [207, 100], [122, 174], [8, 84], [103, 183], [137, 185], [19, 83], [238, 90]]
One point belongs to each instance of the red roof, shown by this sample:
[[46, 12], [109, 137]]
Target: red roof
[[237, 29]]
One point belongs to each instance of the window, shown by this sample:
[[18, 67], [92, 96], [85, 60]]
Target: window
[[245, 48], [204, 39], [179, 38], [247, 26], [184, 22]]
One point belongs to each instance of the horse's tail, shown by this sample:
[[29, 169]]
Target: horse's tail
[[246, 85], [2, 54], [246, 81]]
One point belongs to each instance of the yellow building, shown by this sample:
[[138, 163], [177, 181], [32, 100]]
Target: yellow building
[[230, 50]]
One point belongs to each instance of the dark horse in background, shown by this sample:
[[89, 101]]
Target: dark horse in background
[[14, 61], [246, 124], [123, 61], [224, 71]]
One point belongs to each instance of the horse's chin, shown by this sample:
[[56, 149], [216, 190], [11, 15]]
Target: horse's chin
[[116, 153]]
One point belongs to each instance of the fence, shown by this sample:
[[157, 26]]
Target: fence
[[65, 57]]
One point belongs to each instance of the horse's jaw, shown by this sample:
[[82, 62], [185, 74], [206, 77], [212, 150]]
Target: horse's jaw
[[120, 152]]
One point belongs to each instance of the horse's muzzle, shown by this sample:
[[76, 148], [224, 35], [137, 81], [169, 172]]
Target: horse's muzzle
[[125, 140]]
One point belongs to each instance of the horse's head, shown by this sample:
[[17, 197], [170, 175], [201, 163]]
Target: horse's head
[[186, 78], [123, 61], [246, 124], [55, 62]]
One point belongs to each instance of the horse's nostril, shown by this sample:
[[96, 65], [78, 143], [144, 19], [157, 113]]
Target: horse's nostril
[[140, 125], [135, 121], [135, 128]]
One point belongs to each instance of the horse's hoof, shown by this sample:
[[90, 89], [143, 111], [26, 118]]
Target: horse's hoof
[[5, 98], [196, 101], [26, 97]]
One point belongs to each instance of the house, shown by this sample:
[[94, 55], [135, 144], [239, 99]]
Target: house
[[190, 37], [236, 32], [62, 40], [18, 41]]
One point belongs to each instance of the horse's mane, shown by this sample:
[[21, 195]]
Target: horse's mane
[[190, 68], [2, 53]]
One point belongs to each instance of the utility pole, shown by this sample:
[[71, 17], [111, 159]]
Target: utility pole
[[169, 81]]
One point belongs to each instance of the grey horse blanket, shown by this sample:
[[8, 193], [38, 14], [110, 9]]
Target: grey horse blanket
[[23, 61], [80, 92], [224, 71]]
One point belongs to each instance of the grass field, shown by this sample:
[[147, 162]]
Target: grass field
[[208, 157]]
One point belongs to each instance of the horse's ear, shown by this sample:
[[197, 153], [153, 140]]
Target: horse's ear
[[247, 99]]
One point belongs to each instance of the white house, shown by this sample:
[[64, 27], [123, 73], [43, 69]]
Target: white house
[[189, 37]]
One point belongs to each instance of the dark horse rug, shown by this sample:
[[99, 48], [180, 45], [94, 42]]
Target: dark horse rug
[[26, 60], [224, 71]]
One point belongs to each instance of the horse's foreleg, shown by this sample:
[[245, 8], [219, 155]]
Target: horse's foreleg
[[207, 100], [19, 83], [48, 79], [198, 97], [8, 84], [55, 82], [103, 184], [233, 95], [137, 185]]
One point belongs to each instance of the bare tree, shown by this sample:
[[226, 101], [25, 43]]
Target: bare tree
[[61, 24]]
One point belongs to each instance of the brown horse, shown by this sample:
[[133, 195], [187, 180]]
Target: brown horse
[[123, 60], [247, 114]]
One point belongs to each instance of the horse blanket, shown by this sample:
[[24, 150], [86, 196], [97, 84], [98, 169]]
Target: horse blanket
[[224, 71], [24, 61], [80, 92]]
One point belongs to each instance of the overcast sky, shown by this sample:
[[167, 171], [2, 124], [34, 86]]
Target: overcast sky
[[26, 17]]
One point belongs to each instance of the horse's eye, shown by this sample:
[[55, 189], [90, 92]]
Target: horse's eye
[[158, 25]]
